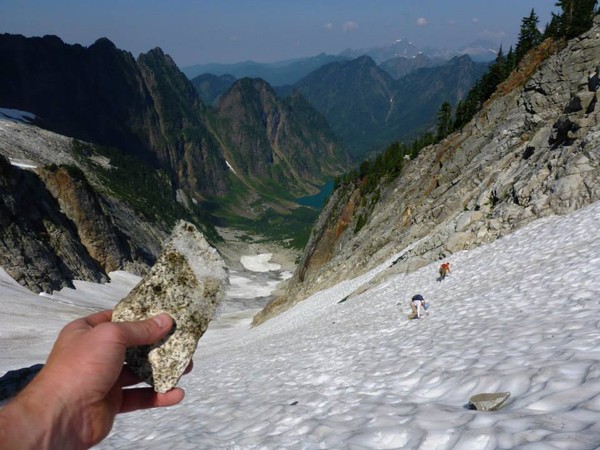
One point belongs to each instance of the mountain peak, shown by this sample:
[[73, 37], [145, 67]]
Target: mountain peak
[[103, 43], [399, 47]]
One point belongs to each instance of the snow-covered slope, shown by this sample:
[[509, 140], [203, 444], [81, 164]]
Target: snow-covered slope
[[519, 315]]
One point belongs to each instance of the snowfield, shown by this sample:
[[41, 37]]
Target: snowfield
[[521, 315]]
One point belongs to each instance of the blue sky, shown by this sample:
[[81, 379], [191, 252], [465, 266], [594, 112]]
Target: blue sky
[[202, 31]]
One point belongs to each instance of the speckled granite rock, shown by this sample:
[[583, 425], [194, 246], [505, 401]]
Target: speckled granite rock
[[187, 282]]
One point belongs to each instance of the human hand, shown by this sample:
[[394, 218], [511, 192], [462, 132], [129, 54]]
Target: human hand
[[73, 401]]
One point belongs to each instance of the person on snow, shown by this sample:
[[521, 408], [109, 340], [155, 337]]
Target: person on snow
[[444, 270], [419, 306]]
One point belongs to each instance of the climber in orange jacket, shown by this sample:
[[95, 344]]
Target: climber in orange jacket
[[444, 270]]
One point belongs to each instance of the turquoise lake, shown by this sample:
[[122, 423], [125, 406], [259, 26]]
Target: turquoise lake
[[318, 200]]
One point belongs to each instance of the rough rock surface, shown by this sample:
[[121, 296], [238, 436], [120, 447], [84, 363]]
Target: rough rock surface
[[39, 245], [531, 152], [56, 225], [187, 282], [83, 206], [488, 401]]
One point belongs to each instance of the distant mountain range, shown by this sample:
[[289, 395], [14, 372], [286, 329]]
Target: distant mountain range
[[288, 72], [277, 73], [399, 66], [370, 106], [399, 48], [370, 97]]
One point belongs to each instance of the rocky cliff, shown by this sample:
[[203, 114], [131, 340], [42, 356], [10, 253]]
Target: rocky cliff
[[58, 224], [142, 151], [532, 151], [39, 244], [182, 140], [148, 109], [96, 94]]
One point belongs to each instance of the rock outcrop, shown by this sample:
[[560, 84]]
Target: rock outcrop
[[59, 223], [532, 151], [81, 204], [187, 282], [39, 244]]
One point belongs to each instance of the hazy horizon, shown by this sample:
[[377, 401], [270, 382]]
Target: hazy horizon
[[209, 31]]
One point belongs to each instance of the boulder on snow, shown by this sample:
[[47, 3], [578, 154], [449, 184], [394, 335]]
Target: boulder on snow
[[187, 282], [488, 401]]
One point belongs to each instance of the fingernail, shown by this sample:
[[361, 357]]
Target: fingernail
[[161, 320]]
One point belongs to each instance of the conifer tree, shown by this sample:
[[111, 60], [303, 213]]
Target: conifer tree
[[468, 107], [576, 17], [551, 30], [462, 114], [529, 36], [484, 88], [511, 61], [499, 70], [444, 122]]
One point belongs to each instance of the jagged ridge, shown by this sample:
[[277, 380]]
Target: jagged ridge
[[149, 109]]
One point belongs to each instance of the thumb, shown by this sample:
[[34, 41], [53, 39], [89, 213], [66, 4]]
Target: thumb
[[145, 332]]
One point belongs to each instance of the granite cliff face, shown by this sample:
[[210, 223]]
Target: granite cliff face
[[533, 151], [182, 140], [96, 94], [80, 203]]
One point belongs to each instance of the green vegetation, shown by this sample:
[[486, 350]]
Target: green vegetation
[[385, 166], [444, 121], [291, 229], [74, 172], [576, 18], [373, 175], [361, 222], [146, 190], [529, 35], [368, 109]]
